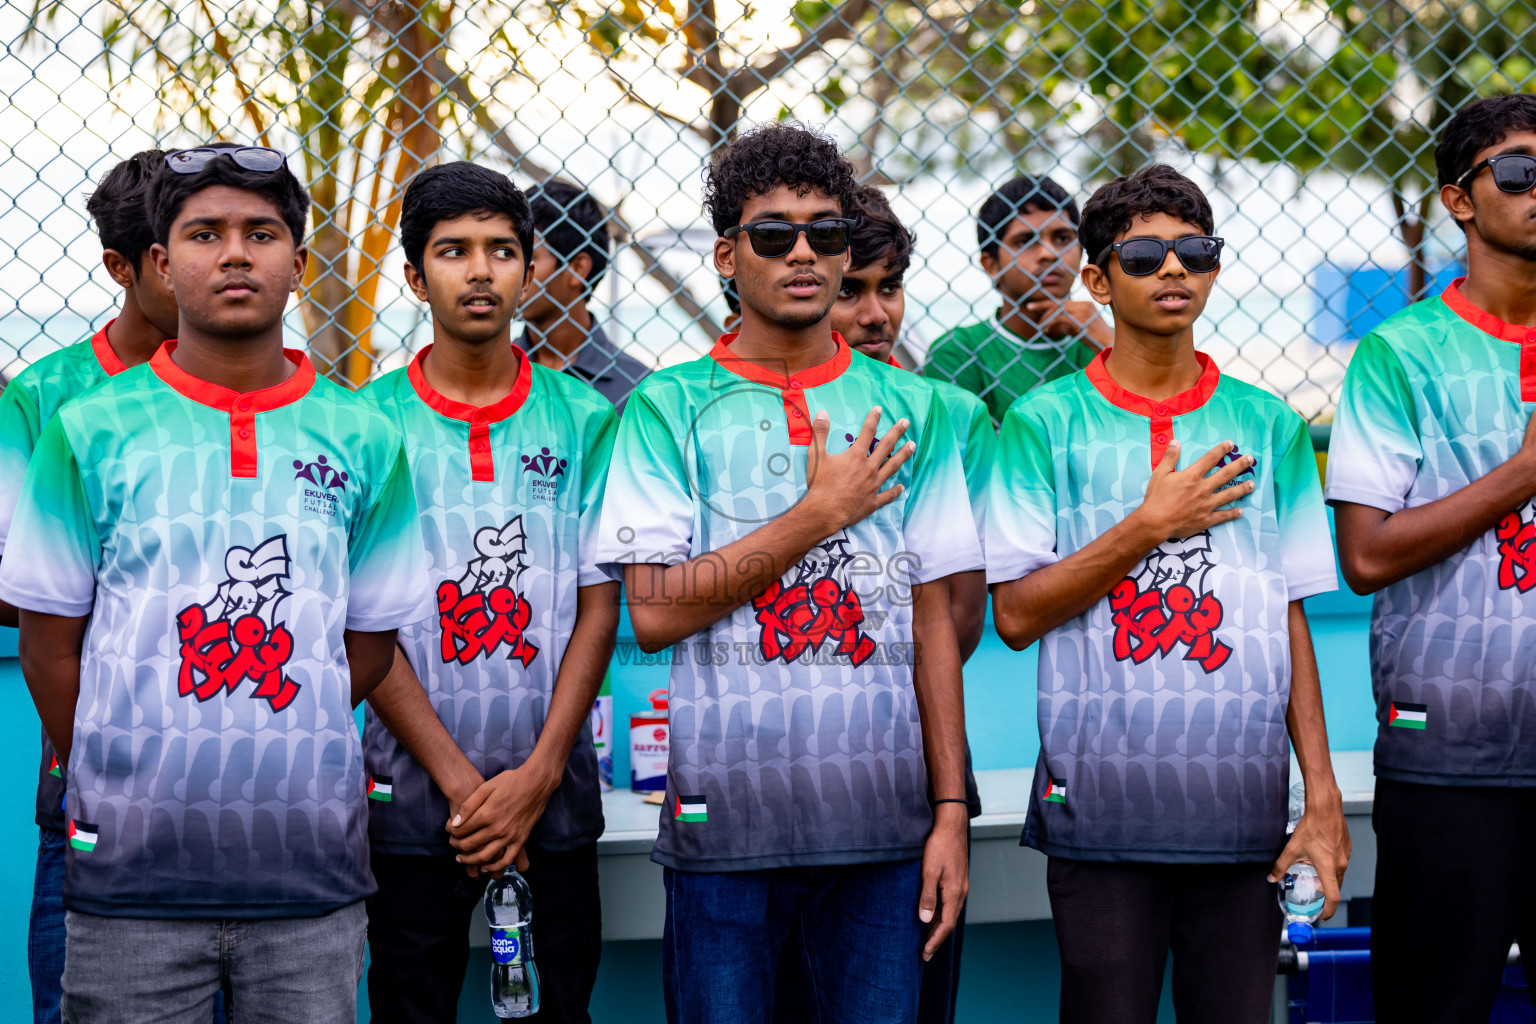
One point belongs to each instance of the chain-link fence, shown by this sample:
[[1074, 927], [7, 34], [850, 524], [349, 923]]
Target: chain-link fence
[[1310, 124]]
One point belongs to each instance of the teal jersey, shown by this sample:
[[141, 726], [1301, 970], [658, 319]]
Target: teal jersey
[[1162, 707], [795, 737], [508, 497], [1435, 398], [220, 543], [26, 406]]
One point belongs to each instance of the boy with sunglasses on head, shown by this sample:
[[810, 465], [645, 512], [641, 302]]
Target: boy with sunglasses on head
[[1156, 526], [1028, 233], [493, 764], [786, 515], [1432, 473], [211, 555], [147, 317]]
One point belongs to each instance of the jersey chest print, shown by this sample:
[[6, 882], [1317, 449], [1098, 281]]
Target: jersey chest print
[[484, 609], [235, 637], [1516, 534], [812, 604], [1166, 604]]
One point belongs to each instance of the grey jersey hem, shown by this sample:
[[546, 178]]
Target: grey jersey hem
[[172, 910], [1469, 780], [1112, 855], [803, 859]]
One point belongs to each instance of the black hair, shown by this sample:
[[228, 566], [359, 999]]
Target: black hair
[[169, 192], [732, 299], [120, 206], [455, 189], [878, 237], [1157, 188], [1476, 127], [571, 222], [1014, 199], [771, 155]]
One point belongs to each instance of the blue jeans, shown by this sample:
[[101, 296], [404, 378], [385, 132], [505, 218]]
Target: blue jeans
[[858, 931], [45, 939], [285, 970]]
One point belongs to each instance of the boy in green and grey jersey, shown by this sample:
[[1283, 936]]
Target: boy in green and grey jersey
[[493, 764], [1156, 526], [1027, 231], [147, 317], [1432, 474], [211, 555]]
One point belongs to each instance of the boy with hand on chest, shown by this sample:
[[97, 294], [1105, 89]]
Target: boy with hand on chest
[[1156, 526], [478, 743], [786, 515]]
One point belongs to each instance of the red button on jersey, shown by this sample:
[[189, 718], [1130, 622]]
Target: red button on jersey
[[1159, 414], [482, 459], [791, 392], [241, 408]]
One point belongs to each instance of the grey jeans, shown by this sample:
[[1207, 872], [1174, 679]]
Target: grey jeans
[[292, 970]]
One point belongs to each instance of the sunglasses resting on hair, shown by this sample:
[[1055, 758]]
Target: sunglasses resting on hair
[[252, 158]]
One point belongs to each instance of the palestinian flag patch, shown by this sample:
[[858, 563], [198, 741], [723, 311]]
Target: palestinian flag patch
[[82, 836], [54, 769], [1055, 792], [1408, 716], [381, 788], [691, 808]]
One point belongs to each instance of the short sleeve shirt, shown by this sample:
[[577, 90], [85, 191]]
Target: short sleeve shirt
[[508, 497], [990, 361], [1161, 708], [26, 406], [1435, 398], [795, 737], [221, 543]]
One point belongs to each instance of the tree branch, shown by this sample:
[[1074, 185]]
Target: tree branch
[[459, 89], [744, 81]]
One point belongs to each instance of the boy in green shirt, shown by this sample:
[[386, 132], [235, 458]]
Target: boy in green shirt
[[1027, 231]]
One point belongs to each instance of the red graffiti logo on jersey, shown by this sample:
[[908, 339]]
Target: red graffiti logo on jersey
[[811, 605], [1166, 606], [483, 610], [1516, 534], [235, 637]]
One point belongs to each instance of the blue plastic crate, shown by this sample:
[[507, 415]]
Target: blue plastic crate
[[1332, 983]]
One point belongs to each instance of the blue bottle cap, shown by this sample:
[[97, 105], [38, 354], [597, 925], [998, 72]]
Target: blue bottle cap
[[1299, 932]]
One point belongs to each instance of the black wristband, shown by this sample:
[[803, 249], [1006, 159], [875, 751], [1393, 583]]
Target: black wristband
[[950, 800]]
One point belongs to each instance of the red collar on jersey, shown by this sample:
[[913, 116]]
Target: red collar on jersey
[[242, 407], [482, 461], [1159, 414], [104, 353], [1523, 336], [791, 388]]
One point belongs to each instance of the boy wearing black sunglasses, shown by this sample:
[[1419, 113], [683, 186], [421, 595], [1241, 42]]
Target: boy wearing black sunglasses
[[211, 556], [786, 515], [1156, 526], [1432, 472]]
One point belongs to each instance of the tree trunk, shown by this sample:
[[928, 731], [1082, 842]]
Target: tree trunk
[[1412, 231]]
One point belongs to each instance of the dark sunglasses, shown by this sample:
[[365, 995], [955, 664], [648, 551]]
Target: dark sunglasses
[[1512, 172], [1142, 257], [774, 238], [252, 158]]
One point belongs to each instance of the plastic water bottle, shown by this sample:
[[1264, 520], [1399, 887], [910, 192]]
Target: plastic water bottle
[[514, 979], [1301, 890]]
